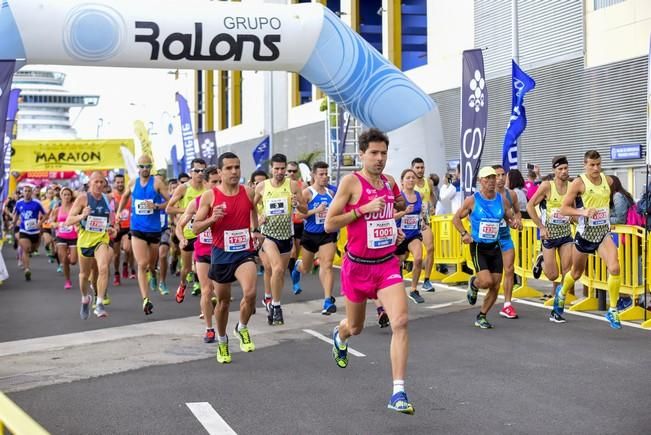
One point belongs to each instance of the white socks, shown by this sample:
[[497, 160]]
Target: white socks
[[398, 386]]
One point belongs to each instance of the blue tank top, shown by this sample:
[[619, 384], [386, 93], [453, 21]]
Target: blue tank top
[[100, 212], [29, 212], [316, 222], [410, 223], [485, 218], [142, 218]]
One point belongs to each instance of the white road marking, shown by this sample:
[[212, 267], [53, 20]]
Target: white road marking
[[329, 341], [434, 307], [210, 419]]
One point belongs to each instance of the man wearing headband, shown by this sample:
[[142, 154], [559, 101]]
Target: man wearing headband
[[555, 228]]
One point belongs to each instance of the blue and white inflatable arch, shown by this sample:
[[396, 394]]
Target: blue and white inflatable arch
[[197, 34]]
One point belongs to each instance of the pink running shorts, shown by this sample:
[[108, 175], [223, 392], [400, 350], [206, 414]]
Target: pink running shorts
[[360, 282]]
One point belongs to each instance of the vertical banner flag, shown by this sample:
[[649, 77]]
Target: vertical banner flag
[[261, 152], [6, 76], [522, 83], [648, 109], [5, 151], [186, 130], [208, 146], [143, 136], [474, 117]]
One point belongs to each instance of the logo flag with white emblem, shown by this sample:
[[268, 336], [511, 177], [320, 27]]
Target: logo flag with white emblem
[[6, 76], [474, 117]]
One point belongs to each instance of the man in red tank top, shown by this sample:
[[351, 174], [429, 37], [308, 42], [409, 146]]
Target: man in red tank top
[[228, 210], [364, 204]]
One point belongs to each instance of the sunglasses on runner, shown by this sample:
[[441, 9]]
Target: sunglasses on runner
[[145, 166], [197, 170]]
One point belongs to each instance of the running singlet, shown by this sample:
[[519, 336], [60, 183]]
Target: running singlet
[[373, 235], [48, 205], [29, 212], [93, 229], [203, 242], [125, 215], [315, 223], [426, 195], [231, 234], [410, 223], [65, 231], [277, 210], [143, 218], [485, 218], [190, 194], [595, 228], [559, 226]]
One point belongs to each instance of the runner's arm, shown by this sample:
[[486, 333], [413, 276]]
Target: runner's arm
[[399, 202], [336, 218], [75, 215], [183, 221], [537, 198], [301, 205], [162, 190], [171, 208], [203, 219], [462, 213], [307, 197], [568, 207]]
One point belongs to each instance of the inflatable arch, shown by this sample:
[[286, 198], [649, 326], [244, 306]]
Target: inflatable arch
[[197, 34]]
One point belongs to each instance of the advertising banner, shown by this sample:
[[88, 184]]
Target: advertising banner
[[208, 147], [522, 83], [69, 155], [186, 131], [474, 117]]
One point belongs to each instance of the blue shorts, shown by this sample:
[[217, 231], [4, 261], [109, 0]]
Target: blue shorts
[[506, 243], [557, 243], [586, 247]]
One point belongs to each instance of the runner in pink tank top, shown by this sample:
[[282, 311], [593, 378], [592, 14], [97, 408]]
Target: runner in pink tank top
[[364, 204], [66, 236], [202, 246]]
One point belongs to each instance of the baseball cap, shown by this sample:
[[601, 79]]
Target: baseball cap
[[487, 171]]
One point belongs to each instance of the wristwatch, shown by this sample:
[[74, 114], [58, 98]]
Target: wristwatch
[[463, 233]]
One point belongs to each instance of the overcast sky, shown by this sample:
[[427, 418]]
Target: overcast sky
[[126, 94]]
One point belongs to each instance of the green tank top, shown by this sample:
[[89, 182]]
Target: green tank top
[[190, 194], [558, 225], [277, 203]]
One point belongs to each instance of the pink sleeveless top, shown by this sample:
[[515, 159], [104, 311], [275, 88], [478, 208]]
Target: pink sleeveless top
[[203, 243], [65, 232], [374, 234]]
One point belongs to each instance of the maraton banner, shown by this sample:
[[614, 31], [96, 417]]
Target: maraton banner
[[69, 155]]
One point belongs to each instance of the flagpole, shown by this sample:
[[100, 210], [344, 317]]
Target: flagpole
[[515, 53], [271, 113]]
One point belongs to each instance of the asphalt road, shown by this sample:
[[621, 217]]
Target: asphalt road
[[526, 376]]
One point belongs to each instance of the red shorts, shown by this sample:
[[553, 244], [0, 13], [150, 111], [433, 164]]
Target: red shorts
[[360, 282]]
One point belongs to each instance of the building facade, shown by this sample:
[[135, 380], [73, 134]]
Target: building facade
[[588, 57]]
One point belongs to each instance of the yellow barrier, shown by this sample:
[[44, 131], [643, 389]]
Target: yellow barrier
[[16, 420], [448, 249]]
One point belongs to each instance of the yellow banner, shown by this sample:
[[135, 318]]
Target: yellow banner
[[143, 135], [69, 155]]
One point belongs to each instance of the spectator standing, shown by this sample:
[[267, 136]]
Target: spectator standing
[[515, 182]]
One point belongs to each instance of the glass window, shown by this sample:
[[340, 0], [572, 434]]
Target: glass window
[[413, 33]]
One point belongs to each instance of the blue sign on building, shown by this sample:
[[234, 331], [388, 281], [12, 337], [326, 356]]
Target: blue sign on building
[[626, 152]]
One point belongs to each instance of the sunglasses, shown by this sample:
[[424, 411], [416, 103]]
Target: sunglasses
[[291, 171], [197, 171], [144, 166]]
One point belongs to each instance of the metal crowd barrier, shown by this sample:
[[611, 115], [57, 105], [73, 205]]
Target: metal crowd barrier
[[16, 421], [631, 246]]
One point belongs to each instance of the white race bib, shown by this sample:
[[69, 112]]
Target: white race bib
[[63, 229], [206, 237], [381, 234], [96, 224], [409, 222], [142, 207], [124, 215], [601, 217], [237, 240], [320, 217], [556, 218], [488, 230], [31, 224], [276, 206]]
